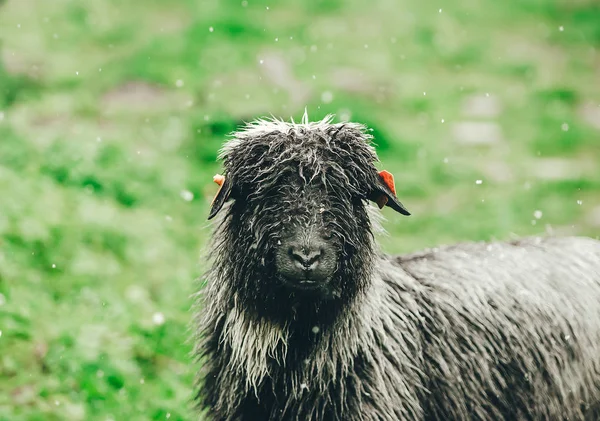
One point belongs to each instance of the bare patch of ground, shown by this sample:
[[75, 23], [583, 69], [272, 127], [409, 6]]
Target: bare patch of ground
[[590, 113], [562, 168], [278, 71], [593, 217], [142, 96], [355, 81], [134, 94], [16, 64]]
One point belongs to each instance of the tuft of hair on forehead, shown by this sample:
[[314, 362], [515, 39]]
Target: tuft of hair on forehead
[[265, 152], [271, 131]]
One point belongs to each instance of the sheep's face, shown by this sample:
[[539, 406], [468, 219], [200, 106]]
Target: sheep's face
[[298, 226]]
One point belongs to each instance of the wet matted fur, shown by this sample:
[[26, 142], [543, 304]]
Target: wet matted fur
[[476, 331]]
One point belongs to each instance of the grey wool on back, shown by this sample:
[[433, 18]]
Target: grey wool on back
[[301, 317]]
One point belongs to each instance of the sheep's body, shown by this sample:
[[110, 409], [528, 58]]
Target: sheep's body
[[486, 331], [506, 331]]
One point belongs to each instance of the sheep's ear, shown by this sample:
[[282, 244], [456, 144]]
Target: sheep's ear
[[384, 193], [221, 196]]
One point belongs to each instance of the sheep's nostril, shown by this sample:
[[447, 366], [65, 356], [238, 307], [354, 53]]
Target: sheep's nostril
[[305, 262], [306, 257]]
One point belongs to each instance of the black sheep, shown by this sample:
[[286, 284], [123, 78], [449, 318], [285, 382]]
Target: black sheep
[[303, 318]]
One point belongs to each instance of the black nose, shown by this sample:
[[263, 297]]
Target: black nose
[[305, 261], [304, 257]]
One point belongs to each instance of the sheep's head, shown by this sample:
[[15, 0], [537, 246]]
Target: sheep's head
[[297, 223]]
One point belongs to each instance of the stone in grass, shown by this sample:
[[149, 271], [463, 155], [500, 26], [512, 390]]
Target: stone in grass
[[497, 171], [477, 133], [555, 168], [593, 217], [590, 113], [484, 106]]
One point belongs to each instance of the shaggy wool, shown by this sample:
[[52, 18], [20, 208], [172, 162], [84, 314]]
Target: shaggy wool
[[474, 331]]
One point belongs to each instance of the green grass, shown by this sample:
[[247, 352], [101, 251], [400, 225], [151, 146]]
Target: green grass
[[110, 111]]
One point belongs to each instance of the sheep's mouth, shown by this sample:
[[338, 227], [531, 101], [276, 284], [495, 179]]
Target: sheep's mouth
[[305, 284]]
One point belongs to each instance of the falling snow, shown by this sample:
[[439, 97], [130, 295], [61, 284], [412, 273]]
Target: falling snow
[[345, 115], [326, 97], [158, 318], [485, 132]]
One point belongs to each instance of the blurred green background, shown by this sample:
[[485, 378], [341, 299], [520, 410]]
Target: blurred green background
[[112, 112]]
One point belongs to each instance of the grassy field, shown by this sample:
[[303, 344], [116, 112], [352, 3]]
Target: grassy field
[[112, 112]]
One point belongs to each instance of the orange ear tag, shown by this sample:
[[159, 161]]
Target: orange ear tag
[[220, 180], [388, 179]]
